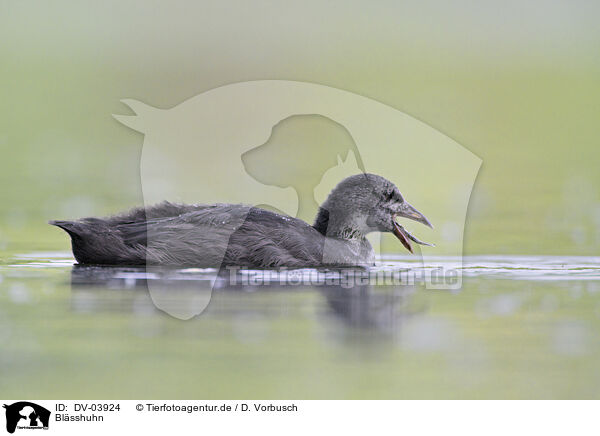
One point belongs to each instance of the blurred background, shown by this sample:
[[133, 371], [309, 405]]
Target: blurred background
[[516, 83]]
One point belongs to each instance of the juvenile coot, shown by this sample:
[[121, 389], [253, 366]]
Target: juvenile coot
[[234, 234]]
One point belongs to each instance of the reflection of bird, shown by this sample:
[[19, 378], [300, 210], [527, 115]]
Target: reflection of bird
[[233, 234]]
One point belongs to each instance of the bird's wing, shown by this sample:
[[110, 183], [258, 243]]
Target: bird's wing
[[194, 222]]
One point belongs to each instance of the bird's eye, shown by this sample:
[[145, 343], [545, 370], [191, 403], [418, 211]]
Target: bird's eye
[[389, 196]]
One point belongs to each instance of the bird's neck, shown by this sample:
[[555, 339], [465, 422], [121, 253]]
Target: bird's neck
[[322, 221], [334, 226]]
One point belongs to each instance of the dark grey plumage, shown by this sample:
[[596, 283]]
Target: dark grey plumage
[[233, 234]]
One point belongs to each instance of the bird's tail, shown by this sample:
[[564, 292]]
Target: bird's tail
[[82, 241], [93, 242], [71, 227]]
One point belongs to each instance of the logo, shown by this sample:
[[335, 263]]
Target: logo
[[26, 415], [284, 145]]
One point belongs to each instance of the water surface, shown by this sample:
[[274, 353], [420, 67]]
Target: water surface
[[520, 327]]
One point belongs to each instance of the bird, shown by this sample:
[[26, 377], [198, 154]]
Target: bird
[[218, 235]]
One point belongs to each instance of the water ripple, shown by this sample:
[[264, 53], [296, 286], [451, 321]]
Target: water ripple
[[519, 267]]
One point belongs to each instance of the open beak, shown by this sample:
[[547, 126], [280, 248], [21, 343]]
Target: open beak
[[402, 234]]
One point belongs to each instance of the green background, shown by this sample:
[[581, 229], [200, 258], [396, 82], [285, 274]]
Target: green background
[[518, 84]]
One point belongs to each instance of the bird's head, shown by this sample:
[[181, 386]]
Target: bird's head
[[367, 202]]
